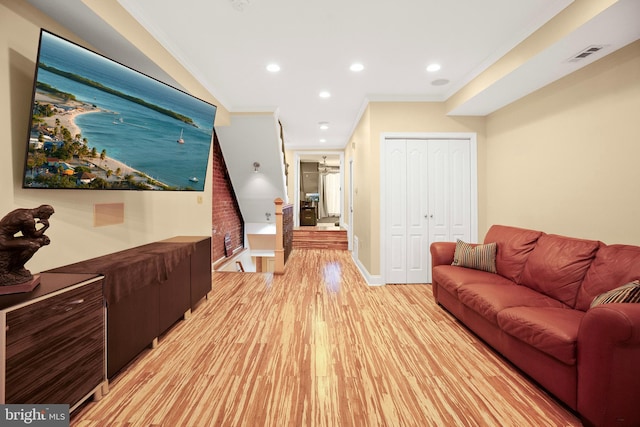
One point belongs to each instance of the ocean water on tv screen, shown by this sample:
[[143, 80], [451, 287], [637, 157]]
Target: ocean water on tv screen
[[140, 137]]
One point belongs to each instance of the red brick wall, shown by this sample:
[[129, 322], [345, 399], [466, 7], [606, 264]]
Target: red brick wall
[[226, 216]]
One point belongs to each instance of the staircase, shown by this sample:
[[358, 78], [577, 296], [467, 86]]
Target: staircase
[[308, 237]]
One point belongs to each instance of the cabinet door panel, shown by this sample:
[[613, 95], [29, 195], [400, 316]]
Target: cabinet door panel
[[175, 296], [132, 325], [201, 270], [51, 338]]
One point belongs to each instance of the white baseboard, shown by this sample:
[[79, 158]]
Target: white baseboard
[[372, 280]]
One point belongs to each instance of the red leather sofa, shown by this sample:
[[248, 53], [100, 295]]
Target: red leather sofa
[[536, 311]]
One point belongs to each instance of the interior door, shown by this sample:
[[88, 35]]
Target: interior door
[[449, 190], [407, 226], [417, 270], [428, 193], [396, 211], [460, 190]]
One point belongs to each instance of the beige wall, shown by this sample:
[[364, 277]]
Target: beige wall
[[565, 158], [362, 175], [148, 216]]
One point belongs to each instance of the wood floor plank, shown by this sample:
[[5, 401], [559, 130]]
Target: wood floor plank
[[318, 347]]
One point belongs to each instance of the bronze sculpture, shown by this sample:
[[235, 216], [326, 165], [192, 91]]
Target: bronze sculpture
[[21, 235]]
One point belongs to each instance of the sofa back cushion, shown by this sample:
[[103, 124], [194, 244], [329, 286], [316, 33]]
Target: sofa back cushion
[[557, 266], [613, 266], [513, 247]]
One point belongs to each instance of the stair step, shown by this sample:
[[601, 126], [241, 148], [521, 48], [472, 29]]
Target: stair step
[[317, 238]]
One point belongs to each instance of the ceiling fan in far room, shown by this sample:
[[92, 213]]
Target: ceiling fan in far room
[[325, 169]]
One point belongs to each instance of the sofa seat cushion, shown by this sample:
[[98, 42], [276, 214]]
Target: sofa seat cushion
[[489, 299], [451, 277], [551, 330]]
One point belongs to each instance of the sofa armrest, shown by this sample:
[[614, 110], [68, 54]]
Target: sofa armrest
[[442, 253], [608, 368]]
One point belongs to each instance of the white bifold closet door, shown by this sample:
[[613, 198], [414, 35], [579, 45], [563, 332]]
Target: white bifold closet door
[[428, 199]]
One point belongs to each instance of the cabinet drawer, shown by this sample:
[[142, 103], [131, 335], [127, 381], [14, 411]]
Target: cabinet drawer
[[55, 348]]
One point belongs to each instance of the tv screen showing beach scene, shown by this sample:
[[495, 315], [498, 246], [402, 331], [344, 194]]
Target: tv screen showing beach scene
[[97, 124]]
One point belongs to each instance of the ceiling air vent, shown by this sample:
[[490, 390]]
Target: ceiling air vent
[[585, 52]]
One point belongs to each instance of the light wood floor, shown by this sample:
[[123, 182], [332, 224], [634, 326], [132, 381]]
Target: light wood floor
[[318, 347]]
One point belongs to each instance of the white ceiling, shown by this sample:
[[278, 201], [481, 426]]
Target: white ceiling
[[226, 45]]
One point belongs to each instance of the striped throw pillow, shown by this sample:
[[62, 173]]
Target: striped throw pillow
[[480, 257], [625, 293]]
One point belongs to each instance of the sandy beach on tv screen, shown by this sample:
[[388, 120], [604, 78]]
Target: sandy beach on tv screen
[[67, 111]]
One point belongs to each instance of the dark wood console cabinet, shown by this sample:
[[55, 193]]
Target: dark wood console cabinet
[[147, 289], [53, 341]]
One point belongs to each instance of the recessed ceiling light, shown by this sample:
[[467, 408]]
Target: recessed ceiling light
[[323, 140], [440, 82], [273, 68], [356, 67], [325, 94], [239, 5], [323, 125], [432, 68]]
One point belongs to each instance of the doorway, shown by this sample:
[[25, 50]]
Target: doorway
[[318, 188]]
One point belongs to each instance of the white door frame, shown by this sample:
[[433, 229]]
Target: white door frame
[[471, 136]]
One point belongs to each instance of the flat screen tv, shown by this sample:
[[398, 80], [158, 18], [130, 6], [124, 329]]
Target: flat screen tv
[[97, 124]]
